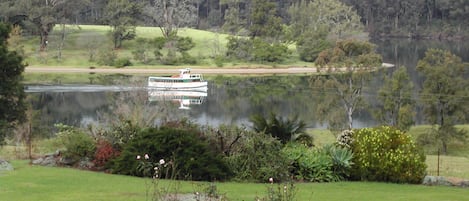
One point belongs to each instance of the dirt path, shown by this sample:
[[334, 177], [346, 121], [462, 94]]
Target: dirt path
[[290, 70]]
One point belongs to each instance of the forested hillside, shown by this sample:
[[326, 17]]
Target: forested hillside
[[444, 19]]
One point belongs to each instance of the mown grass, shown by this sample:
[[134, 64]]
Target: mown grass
[[62, 184]]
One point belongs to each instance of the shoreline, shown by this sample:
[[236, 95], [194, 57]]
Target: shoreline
[[289, 70]]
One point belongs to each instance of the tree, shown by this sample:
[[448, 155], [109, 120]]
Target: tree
[[331, 15], [395, 96], [235, 18], [444, 94], [12, 106], [285, 130], [122, 16], [265, 22], [347, 67], [170, 15]]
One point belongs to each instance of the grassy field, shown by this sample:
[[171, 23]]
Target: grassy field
[[82, 40], [62, 184]]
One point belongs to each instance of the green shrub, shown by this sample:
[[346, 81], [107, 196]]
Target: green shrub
[[77, 143], [257, 158], [325, 164], [122, 62], [190, 157], [386, 154], [106, 56]]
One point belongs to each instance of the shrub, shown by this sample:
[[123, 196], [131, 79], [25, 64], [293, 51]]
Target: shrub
[[122, 62], [325, 164], [105, 152], [386, 154], [259, 157], [190, 156], [77, 143], [106, 56]]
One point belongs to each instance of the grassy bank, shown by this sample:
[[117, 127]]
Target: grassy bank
[[50, 184], [85, 40]]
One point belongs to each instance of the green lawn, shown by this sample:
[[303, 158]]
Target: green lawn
[[82, 40], [49, 184]]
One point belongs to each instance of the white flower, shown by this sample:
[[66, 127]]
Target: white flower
[[162, 162], [147, 157], [138, 157], [156, 168], [271, 180]]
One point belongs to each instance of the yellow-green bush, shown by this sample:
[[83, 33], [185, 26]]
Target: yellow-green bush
[[386, 154]]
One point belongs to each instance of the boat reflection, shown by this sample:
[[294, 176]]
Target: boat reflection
[[182, 97]]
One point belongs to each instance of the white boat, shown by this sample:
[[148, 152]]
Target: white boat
[[183, 81]]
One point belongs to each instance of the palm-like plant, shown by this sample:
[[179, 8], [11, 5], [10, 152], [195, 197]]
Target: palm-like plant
[[284, 130]]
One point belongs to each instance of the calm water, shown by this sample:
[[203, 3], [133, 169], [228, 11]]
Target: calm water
[[228, 100]]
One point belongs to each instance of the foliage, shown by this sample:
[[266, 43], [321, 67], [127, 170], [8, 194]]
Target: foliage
[[77, 143], [265, 52], [190, 156], [386, 154], [106, 56], [256, 50], [310, 45], [170, 15], [285, 130], [121, 15], [396, 104], [12, 95], [105, 152], [345, 138], [239, 48], [265, 22], [324, 164], [444, 94], [348, 66], [258, 157], [331, 15], [122, 62]]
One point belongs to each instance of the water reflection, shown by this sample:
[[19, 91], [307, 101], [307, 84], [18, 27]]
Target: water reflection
[[183, 98]]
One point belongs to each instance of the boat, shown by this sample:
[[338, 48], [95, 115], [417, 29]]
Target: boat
[[183, 81]]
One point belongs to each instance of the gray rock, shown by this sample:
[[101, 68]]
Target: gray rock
[[5, 166], [46, 161], [445, 181]]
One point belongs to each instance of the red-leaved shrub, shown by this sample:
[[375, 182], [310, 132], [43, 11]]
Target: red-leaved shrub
[[104, 153]]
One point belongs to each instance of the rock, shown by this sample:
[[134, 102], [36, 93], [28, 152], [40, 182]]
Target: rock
[[5, 166], [66, 161], [436, 181], [46, 161], [445, 181]]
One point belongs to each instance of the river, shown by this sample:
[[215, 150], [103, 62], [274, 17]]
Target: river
[[229, 100]]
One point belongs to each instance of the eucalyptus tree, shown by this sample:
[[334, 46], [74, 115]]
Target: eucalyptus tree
[[235, 17], [396, 101], [444, 95], [345, 72], [265, 21], [170, 15], [12, 95], [332, 15], [122, 16]]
